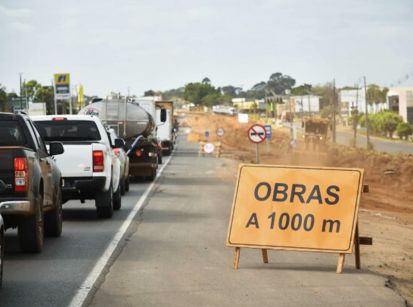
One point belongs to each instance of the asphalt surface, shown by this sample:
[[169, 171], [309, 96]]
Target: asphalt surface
[[380, 144], [344, 138], [177, 255], [52, 277]]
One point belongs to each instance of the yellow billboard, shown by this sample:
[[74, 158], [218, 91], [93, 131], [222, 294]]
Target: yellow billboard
[[295, 208]]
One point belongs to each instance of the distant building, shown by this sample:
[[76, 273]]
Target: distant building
[[237, 100], [400, 100], [355, 99]]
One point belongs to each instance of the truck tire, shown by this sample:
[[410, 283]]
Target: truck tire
[[117, 199], [53, 219], [31, 230], [127, 184], [104, 204], [1, 255], [122, 187]]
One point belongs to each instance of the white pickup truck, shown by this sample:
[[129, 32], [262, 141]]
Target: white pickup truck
[[90, 169]]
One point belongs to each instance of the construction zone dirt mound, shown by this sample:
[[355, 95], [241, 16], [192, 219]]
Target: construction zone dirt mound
[[386, 212]]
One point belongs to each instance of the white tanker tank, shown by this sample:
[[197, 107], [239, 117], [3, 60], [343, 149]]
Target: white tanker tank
[[127, 118]]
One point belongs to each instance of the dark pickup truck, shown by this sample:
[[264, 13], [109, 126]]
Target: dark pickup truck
[[30, 182]]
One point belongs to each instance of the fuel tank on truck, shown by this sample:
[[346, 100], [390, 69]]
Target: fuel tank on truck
[[127, 118]]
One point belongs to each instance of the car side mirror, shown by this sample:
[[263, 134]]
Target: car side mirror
[[163, 115], [119, 143], [56, 148]]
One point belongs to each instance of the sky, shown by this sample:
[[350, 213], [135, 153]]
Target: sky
[[158, 44]]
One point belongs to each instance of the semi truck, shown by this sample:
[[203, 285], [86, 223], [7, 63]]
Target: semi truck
[[167, 130], [136, 126]]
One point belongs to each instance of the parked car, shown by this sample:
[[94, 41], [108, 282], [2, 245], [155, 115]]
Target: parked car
[[124, 162], [90, 169], [30, 182], [1, 249]]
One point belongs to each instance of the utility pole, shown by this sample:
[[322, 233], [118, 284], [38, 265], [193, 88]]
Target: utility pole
[[21, 91], [367, 114], [54, 97], [334, 110]]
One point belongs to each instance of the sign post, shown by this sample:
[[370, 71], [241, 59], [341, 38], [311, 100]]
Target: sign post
[[62, 89], [296, 208], [257, 135]]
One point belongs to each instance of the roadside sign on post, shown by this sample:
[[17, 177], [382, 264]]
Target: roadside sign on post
[[62, 86], [209, 148], [220, 132], [295, 208], [256, 134], [268, 131]]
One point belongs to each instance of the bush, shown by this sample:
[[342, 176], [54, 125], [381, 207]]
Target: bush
[[404, 130], [383, 123]]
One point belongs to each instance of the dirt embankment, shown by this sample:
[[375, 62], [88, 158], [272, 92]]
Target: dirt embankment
[[386, 211]]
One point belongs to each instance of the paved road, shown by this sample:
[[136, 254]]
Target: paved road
[[53, 277], [344, 137], [383, 145], [177, 256]]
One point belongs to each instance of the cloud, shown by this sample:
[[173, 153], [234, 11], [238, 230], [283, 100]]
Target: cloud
[[14, 13]]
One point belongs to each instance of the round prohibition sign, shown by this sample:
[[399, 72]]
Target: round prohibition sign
[[257, 134], [209, 148]]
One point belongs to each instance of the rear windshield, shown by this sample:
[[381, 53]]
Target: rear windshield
[[68, 130], [11, 134]]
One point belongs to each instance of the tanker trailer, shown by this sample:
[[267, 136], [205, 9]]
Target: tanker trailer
[[138, 129]]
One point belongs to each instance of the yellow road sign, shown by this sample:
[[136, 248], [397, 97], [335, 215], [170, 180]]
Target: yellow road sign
[[295, 208], [62, 79]]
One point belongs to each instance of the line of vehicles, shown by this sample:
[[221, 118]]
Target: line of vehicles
[[48, 160]]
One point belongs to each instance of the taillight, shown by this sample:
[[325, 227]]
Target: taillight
[[98, 161], [21, 180], [138, 153]]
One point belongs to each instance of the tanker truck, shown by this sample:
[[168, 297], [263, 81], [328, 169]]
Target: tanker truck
[[136, 126]]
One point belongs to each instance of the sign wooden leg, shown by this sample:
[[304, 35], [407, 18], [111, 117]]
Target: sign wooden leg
[[340, 263], [357, 247], [264, 255], [236, 257]]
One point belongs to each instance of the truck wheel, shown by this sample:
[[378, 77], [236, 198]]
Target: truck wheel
[[117, 199], [104, 204], [30, 230], [1, 255], [122, 187], [53, 219], [127, 184]]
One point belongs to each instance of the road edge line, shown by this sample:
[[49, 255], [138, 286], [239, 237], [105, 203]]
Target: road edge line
[[87, 285]]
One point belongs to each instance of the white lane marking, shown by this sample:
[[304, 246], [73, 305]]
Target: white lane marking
[[87, 285]]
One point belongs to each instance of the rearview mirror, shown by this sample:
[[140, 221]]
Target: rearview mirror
[[163, 115], [56, 148], [119, 143]]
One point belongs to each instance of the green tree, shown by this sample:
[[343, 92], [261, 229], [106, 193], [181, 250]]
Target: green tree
[[3, 99], [375, 94], [278, 83], [46, 94], [206, 80], [302, 90], [404, 130], [195, 92], [149, 93], [30, 89], [231, 91], [390, 121]]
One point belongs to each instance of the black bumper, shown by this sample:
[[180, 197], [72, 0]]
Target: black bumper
[[82, 188]]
